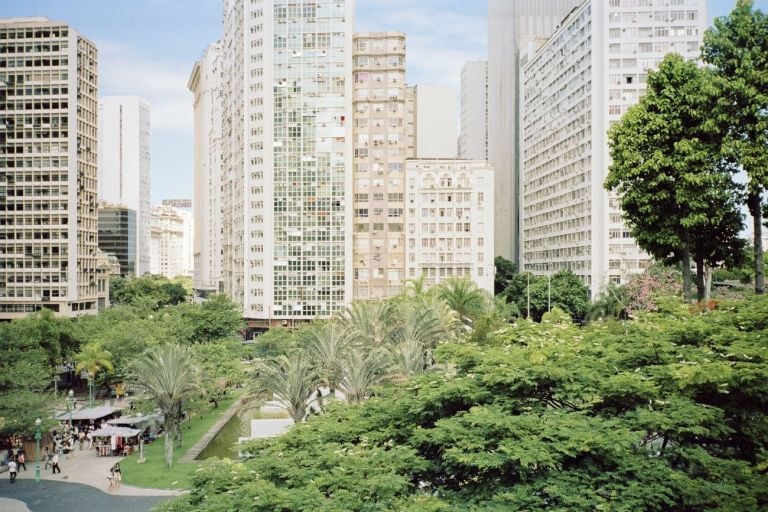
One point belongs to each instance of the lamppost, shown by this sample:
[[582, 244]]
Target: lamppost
[[90, 389], [71, 401], [38, 436], [141, 442]]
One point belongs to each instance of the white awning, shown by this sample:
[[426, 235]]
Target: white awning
[[110, 430], [88, 413]]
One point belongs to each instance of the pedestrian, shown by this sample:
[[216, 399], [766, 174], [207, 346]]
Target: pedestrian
[[55, 464], [81, 439], [117, 475], [12, 470], [21, 461], [89, 437], [47, 457]]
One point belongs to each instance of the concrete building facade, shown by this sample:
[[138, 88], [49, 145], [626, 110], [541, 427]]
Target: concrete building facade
[[434, 117], [473, 136], [172, 241], [205, 83], [380, 150], [449, 221], [124, 160], [287, 158], [574, 87], [511, 25], [48, 169]]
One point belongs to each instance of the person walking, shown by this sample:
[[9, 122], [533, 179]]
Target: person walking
[[55, 464], [12, 470], [47, 457], [117, 475], [21, 460]]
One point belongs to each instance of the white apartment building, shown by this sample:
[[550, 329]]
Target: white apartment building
[[172, 239], [574, 87], [435, 116], [511, 25], [124, 125], [48, 169], [205, 83], [380, 149], [449, 220], [473, 137], [287, 158]]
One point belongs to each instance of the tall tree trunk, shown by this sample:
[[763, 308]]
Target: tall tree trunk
[[700, 286], [708, 283], [754, 201], [685, 267], [168, 445]]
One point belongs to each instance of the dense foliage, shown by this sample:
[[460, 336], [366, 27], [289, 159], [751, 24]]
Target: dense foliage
[[667, 413]]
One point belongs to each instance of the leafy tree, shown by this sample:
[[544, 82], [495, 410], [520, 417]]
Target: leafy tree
[[464, 297], [291, 381], [25, 373], [676, 190], [666, 414], [93, 358], [564, 290], [737, 48], [216, 318], [168, 374], [505, 272], [158, 290]]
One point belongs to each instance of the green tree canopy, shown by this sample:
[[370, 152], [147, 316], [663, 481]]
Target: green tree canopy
[[664, 414], [677, 192], [564, 290], [737, 48]]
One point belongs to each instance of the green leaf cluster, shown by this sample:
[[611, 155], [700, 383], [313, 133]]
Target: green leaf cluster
[[665, 413]]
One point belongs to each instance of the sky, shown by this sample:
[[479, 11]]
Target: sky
[[148, 47]]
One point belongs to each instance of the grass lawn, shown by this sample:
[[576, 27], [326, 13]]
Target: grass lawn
[[153, 472]]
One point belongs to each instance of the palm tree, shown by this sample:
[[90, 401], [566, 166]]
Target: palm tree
[[325, 343], [409, 358], [170, 376], [92, 358], [368, 323], [363, 370], [292, 382], [464, 297]]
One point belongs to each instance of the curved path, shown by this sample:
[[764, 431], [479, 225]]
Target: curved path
[[26, 495]]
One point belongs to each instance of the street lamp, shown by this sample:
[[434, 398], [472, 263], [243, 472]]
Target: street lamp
[[71, 401], [38, 436], [141, 460], [90, 389]]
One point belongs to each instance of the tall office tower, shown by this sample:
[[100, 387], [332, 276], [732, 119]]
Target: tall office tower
[[434, 119], [450, 220], [511, 25], [287, 158], [172, 239], [473, 138], [48, 175], [205, 83], [124, 163], [579, 83], [117, 235], [380, 147]]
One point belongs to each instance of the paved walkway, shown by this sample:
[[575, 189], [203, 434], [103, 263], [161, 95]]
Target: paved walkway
[[85, 467], [50, 496], [205, 440]]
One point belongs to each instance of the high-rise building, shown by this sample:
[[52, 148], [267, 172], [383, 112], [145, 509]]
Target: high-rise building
[[206, 85], [117, 235], [473, 137], [287, 158], [511, 25], [380, 149], [124, 164], [574, 87], [450, 221], [172, 238], [434, 117], [48, 169]]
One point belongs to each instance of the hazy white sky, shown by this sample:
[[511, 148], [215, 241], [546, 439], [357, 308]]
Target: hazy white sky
[[148, 47]]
